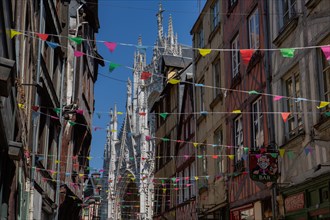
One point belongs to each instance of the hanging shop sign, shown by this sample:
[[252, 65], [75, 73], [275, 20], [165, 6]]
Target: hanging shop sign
[[263, 167]]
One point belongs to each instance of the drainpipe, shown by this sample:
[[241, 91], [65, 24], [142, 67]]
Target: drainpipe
[[35, 140], [270, 117]]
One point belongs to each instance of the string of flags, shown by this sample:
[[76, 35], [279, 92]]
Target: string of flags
[[245, 53]]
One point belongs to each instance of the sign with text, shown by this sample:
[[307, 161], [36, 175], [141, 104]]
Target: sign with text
[[264, 167]]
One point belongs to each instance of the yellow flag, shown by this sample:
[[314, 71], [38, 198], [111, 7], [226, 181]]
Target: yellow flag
[[282, 151], [57, 161], [89, 158], [120, 113], [81, 174], [195, 144], [20, 105], [174, 81], [196, 178], [323, 104], [231, 157], [237, 111], [113, 130], [204, 52], [13, 33]]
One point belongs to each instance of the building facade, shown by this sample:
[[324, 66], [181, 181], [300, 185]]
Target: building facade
[[208, 32], [304, 136], [38, 100]]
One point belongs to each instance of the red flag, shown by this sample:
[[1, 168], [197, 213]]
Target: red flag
[[42, 36], [285, 116], [246, 55], [35, 108], [145, 75]]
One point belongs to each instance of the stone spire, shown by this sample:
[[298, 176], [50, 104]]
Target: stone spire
[[160, 23], [170, 33], [139, 56]]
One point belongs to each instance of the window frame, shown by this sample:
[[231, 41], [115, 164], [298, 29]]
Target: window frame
[[235, 56], [216, 77], [295, 121], [291, 6], [218, 140], [238, 137], [254, 18], [215, 15], [201, 97], [257, 117]]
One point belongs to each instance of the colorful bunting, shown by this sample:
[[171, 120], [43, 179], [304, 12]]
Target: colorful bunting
[[195, 144], [13, 33], [236, 111], [163, 115], [204, 52], [326, 51], [72, 123], [323, 104], [113, 66], [111, 46], [246, 55], [80, 111], [282, 151], [231, 157], [287, 52], [174, 81], [42, 36], [35, 108], [253, 92], [52, 45], [277, 98], [199, 84], [145, 75], [285, 116], [77, 40], [78, 53]]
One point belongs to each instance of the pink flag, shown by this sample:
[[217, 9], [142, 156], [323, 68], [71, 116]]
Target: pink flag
[[326, 51], [78, 53], [278, 97], [111, 46], [80, 111]]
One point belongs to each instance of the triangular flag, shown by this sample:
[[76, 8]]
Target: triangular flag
[[57, 161], [327, 114], [57, 110], [285, 116], [214, 156], [80, 111], [78, 53], [306, 150], [174, 81], [148, 138], [246, 150], [253, 92], [323, 104], [274, 155], [231, 157], [142, 113], [195, 144], [277, 98], [98, 115], [290, 154], [120, 113], [282, 151], [199, 84], [52, 44], [20, 105], [287, 52], [301, 99], [199, 156], [204, 52], [42, 36], [77, 40], [163, 115], [113, 66], [111, 46], [145, 75], [246, 55], [236, 111], [89, 158], [326, 51], [196, 178], [35, 108], [72, 123], [204, 113], [165, 139], [13, 33]]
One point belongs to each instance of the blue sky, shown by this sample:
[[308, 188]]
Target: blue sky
[[123, 21]]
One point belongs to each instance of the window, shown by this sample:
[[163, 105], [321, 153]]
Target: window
[[201, 97], [220, 162], [257, 127], [325, 81], [232, 3], [238, 134], [293, 90], [203, 151], [235, 59], [200, 38], [254, 30], [288, 9], [215, 16], [216, 78]]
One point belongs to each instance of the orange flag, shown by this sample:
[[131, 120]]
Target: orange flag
[[285, 116], [246, 55]]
